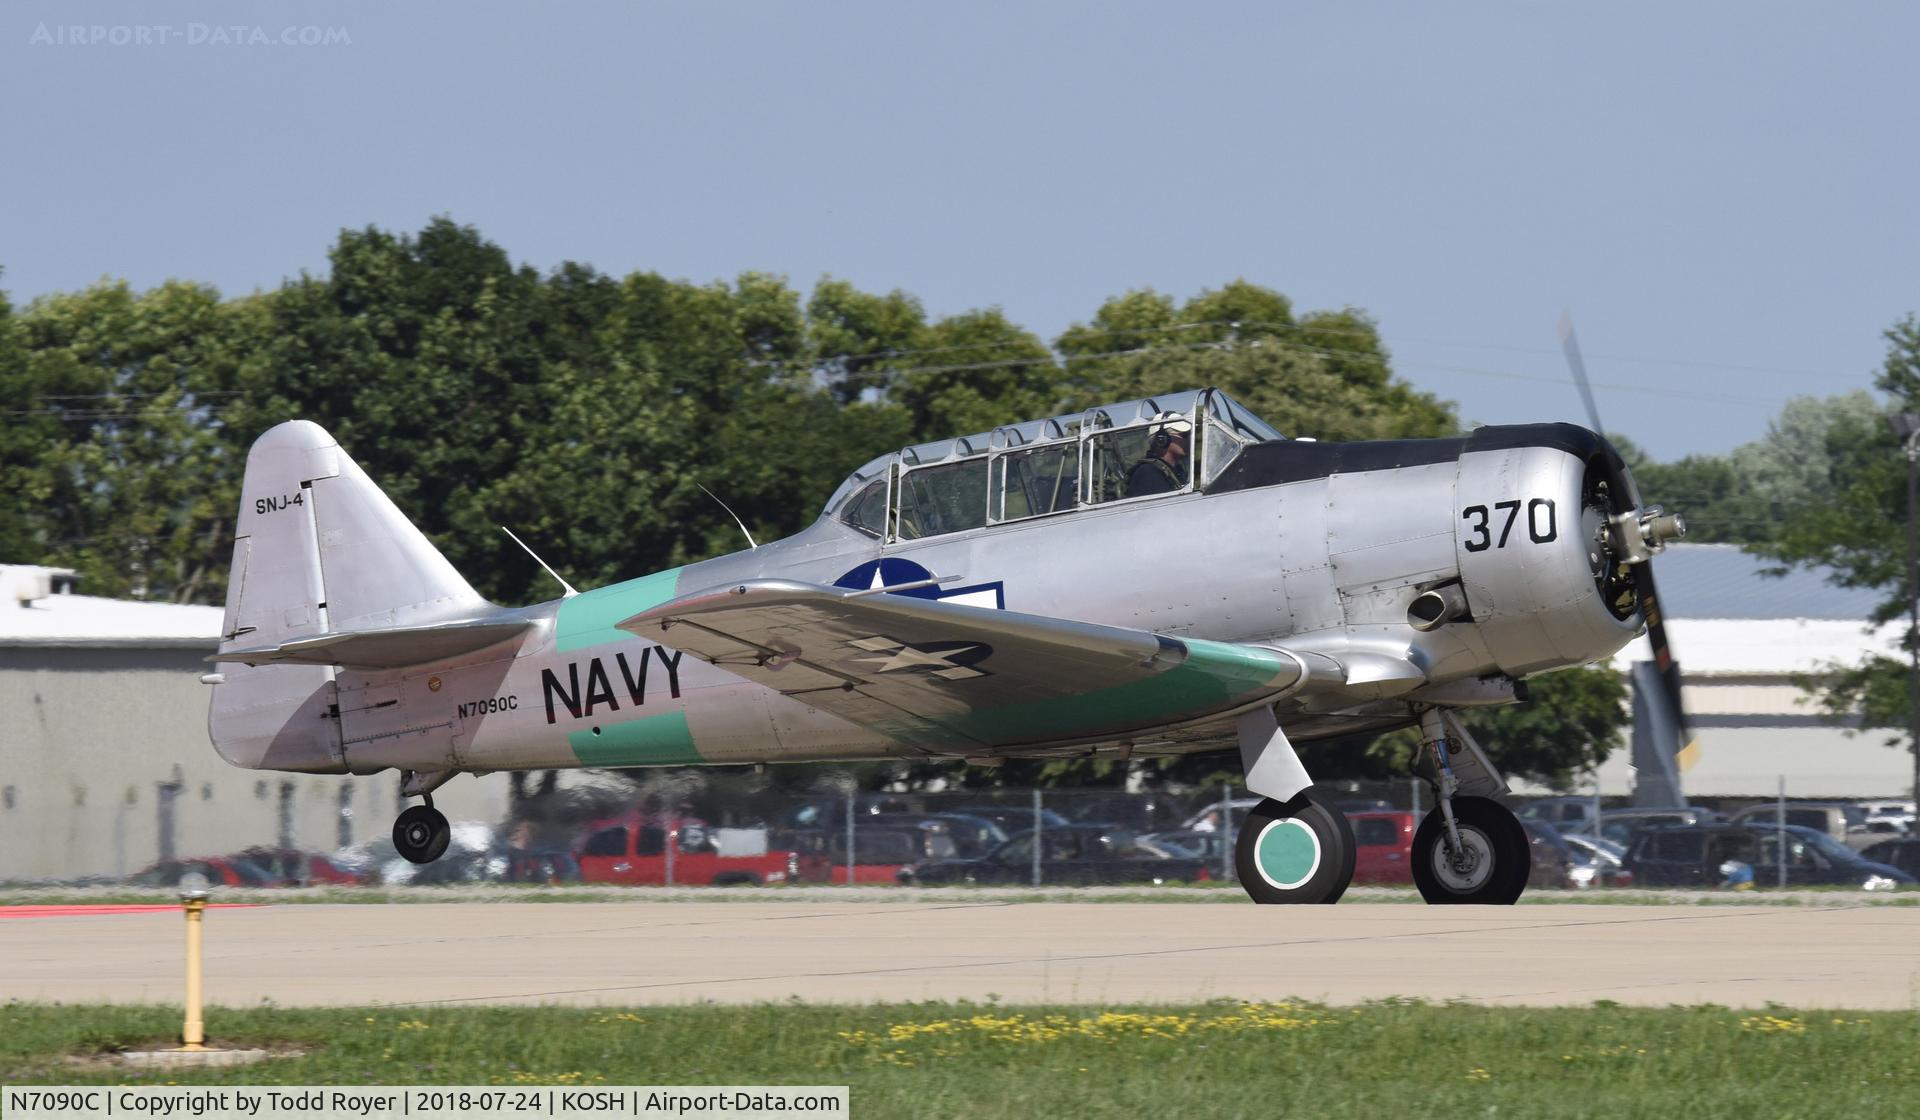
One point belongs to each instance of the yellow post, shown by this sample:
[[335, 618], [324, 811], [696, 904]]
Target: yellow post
[[193, 1033]]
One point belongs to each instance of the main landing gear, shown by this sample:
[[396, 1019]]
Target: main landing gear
[[1295, 851], [1470, 849], [422, 833]]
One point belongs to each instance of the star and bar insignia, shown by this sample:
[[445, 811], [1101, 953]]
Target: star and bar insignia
[[954, 661]]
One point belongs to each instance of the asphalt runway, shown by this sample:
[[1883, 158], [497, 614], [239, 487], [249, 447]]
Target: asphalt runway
[[1840, 956]]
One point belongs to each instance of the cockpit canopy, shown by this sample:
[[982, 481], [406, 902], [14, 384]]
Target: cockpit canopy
[[1040, 467]]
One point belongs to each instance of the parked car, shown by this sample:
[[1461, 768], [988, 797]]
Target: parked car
[[456, 868], [828, 811], [1903, 854], [1606, 861], [377, 863], [1383, 846], [1553, 863], [1619, 825], [1888, 824], [972, 835], [1842, 820], [1190, 844], [1078, 854], [291, 867], [218, 871], [1209, 818], [634, 850], [1568, 814], [880, 851], [1141, 812], [1692, 856], [545, 864], [1012, 818]]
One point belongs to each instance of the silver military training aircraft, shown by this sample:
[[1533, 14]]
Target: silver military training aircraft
[[1155, 576]]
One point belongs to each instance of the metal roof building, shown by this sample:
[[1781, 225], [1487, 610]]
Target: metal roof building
[[1743, 637]]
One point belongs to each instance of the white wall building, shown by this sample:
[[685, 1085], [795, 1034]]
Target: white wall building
[[1742, 638], [105, 764]]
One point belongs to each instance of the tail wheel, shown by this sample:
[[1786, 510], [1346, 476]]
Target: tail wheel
[[1297, 851], [421, 834], [1491, 868]]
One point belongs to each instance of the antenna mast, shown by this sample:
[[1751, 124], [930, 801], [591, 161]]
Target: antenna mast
[[536, 559]]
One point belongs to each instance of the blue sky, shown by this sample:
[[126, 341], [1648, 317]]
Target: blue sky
[[1723, 193]]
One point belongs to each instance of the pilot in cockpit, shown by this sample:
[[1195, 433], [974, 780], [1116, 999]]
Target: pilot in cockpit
[[1165, 467]]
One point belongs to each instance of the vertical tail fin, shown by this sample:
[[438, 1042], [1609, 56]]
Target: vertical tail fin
[[318, 549]]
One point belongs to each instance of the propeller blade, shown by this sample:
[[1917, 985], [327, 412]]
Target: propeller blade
[[1687, 747], [1571, 347]]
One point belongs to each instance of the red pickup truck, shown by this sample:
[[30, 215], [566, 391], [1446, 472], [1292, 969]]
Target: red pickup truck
[[679, 852], [1383, 846]]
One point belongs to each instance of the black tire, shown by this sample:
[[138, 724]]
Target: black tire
[[1502, 856], [421, 834], [1294, 852]]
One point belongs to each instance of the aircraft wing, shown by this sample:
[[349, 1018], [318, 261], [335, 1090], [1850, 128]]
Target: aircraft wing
[[942, 674]]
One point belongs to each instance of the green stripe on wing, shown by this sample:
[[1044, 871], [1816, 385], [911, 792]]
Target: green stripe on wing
[[1216, 676]]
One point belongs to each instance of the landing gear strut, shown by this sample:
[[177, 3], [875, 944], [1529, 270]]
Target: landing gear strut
[[1470, 849], [1297, 851], [422, 833]]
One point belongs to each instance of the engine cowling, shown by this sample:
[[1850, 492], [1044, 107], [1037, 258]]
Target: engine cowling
[[1548, 527]]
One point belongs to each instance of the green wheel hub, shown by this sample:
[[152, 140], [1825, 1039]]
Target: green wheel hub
[[1288, 852]]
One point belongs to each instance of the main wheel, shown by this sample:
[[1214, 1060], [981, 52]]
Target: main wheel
[[421, 834], [1297, 851], [1492, 869]]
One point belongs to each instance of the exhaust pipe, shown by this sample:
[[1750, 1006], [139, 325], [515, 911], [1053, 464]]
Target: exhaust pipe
[[1432, 609]]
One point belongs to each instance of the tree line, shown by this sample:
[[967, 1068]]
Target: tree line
[[581, 409]]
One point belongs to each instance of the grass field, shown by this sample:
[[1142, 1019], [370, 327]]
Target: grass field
[[1215, 1060]]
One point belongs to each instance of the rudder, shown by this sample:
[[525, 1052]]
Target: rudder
[[318, 549]]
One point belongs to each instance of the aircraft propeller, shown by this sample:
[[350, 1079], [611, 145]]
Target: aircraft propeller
[[1629, 539]]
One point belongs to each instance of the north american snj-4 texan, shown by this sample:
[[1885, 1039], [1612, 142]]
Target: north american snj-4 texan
[[1155, 576]]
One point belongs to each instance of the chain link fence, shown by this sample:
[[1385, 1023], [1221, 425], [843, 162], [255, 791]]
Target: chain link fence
[[705, 828]]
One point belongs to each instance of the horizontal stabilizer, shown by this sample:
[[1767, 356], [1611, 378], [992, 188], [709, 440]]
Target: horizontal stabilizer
[[383, 649]]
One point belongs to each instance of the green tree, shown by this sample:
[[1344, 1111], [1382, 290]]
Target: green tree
[[1858, 530], [1326, 375], [32, 431], [1746, 495], [974, 372], [132, 485], [855, 337], [425, 357]]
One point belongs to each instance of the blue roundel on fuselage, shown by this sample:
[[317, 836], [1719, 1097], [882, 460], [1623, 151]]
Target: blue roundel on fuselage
[[890, 572], [893, 571]]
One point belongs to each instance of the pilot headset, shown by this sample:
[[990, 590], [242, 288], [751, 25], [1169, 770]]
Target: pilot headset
[[1169, 424]]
